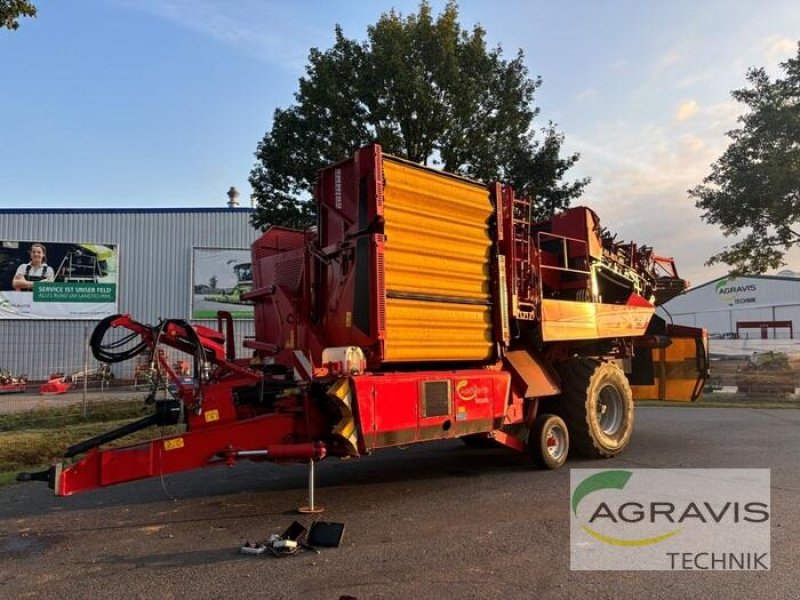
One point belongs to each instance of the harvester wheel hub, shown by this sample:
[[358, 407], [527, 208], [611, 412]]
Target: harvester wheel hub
[[556, 442], [610, 410]]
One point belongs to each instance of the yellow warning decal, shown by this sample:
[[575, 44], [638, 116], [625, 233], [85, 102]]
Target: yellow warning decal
[[212, 415], [342, 397], [173, 444]]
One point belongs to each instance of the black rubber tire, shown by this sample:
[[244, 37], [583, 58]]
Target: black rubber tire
[[548, 442], [597, 405]]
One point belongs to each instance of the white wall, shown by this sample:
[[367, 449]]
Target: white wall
[[719, 304]]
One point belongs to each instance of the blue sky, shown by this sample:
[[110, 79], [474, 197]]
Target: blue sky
[[160, 103]]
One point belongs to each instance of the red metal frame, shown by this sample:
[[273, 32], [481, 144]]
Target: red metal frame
[[217, 429], [390, 408], [219, 445], [764, 327]]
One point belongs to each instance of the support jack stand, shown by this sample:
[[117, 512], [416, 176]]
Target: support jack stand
[[311, 509]]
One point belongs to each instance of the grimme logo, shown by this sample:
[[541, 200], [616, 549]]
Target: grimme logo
[[671, 519], [469, 391]]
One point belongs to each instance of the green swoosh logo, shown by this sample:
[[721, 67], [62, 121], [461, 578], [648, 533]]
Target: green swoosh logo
[[604, 481], [599, 481]]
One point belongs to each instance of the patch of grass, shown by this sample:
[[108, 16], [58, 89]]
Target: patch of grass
[[6, 478], [58, 417], [32, 440], [32, 447]]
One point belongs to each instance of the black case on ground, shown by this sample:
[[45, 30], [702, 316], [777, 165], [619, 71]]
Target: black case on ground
[[326, 534]]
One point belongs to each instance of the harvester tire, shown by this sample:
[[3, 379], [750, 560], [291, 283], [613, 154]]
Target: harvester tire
[[597, 405], [548, 442]]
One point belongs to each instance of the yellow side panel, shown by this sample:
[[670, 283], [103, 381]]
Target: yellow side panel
[[437, 238], [417, 330], [566, 320], [436, 265], [676, 373]]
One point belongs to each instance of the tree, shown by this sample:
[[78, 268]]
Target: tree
[[426, 90], [754, 187], [11, 10]]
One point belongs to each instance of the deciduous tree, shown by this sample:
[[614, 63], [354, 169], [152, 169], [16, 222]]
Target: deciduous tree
[[754, 187], [426, 90], [12, 10]]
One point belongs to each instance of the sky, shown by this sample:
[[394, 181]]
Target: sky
[[161, 103]]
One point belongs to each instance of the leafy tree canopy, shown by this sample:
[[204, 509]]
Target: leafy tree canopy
[[426, 90], [754, 187], [11, 10]]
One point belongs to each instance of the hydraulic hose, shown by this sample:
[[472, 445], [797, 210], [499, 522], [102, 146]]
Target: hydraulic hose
[[116, 351]]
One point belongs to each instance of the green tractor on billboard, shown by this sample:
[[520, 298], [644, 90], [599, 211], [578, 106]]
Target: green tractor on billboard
[[85, 263], [244, 284]]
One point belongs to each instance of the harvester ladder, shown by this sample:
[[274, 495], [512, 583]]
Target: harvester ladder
[[525, 292]]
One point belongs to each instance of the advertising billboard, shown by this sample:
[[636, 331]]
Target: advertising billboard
[[219, 278], [56, 280]]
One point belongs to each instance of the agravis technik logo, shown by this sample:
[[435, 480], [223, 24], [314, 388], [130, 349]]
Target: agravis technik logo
[[705, 519]]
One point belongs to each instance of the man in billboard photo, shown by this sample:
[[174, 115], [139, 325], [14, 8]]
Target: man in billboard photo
[[36, 270]]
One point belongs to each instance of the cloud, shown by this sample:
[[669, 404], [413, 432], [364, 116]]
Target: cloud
[[249, 27], [780, 48], [672, 58], [766, 53], [621, 64], [640, 177], [686, 110], [692, 143], [693, 80], [723, 115], [586, 96]]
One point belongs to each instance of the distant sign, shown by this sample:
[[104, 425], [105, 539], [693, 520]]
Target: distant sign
[[732, 292], [220, 276], [49, 280]]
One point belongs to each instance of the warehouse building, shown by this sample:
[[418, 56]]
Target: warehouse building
[[756, 307], [149, 263]]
